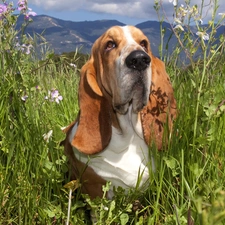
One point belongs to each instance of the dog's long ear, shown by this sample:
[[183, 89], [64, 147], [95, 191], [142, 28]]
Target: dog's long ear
[[94, 122], [161, 108]]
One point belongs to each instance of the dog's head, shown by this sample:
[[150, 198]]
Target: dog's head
[[121, 58]]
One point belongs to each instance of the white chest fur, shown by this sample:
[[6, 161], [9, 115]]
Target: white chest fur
[[125, 160]]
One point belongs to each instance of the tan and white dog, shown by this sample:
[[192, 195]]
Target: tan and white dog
[[125, 99]]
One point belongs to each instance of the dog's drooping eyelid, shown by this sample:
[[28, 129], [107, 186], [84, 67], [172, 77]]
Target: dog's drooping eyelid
[[144, 44], [110, 45]]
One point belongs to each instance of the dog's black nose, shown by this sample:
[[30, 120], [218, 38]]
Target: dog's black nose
[[138, 60]]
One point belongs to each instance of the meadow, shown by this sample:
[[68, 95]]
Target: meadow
[[38, 96]]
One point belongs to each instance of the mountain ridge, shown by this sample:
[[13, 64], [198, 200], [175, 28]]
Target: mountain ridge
[[67, 36]]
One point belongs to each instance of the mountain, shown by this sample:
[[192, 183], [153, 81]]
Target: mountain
[[67, 36]]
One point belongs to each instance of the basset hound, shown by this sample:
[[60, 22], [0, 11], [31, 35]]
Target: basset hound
[[125, 100]]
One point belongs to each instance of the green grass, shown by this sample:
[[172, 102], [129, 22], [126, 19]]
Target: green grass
[[188, 183], [187, 188]]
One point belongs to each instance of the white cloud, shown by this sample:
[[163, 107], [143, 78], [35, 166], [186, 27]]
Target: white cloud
[[54, 5], [143, 9], [135, 9]]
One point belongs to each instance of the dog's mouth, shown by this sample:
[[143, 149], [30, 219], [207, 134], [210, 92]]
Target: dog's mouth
[[138, 98], [123, 109]]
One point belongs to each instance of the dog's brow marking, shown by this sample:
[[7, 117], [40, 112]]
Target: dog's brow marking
[[127, 34]]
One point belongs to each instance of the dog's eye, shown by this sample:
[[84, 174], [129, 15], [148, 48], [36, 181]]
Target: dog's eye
[[144, 45], [110, 45]]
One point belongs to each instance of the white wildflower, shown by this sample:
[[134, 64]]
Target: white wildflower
[[63, 128], [179, 27], [221, 14], [48, 136], [200, 21], [73, 65], [177, 21], [174, 2], [203, 35], [24, 98]]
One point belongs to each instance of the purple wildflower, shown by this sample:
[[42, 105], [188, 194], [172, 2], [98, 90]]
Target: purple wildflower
[[55, 96], [3, 10], [23, 48], [22, 6], [38, 88], [30, 13]]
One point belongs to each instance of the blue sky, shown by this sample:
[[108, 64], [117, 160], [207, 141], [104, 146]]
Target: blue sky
[[126, 11]]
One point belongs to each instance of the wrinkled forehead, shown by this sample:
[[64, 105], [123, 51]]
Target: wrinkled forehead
[[128, 33]]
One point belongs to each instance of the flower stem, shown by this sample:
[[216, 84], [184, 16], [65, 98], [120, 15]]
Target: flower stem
[[69, 207], [199, 92]]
